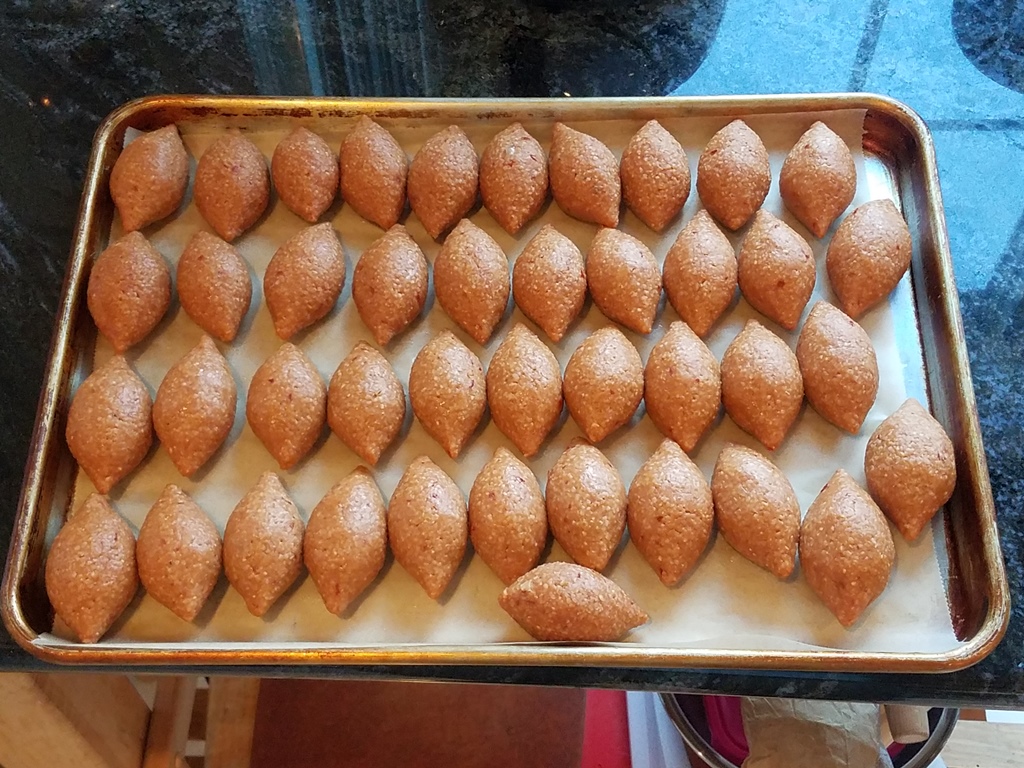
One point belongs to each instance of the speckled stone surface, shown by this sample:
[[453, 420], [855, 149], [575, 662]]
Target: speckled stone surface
[[958, 62]]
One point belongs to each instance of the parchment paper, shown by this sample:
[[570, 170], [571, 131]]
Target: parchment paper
[[726, 603]]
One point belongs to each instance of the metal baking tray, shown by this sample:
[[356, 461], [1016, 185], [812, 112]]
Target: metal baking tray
[[893, 135]]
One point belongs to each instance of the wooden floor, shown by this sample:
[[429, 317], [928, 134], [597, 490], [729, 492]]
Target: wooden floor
[[985, 745]]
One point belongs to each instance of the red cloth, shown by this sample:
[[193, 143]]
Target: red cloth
[[725, 721], [606, 731]]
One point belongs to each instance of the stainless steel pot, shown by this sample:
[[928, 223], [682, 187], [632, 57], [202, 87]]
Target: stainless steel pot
[[687, 713]]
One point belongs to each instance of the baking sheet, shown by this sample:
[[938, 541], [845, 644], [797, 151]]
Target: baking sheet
[[727, 603]]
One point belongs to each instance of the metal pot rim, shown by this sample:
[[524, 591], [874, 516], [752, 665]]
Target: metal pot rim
[[930, 749]]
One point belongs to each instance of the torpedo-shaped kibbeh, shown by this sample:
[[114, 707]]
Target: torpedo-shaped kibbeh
[[513, 177], [109, 428], [194, 408], [471, 280], [129, 291], [549, 282], [304, 279], [700, 273], [149, 178], [178, 553], [374, 170], [838, 365], [624, 279], [90, 569], [910, 467], [232, 187], [868, 255], [670, 512], [603, 383], [846, 549], [287, 405], [448, 391], [655, 175], [818, 179], [346, 540], [508, 523], [584, 176], [775, 270], [524, 389], [762, 388], [389, 284], [569, 603], [682, 386], [734, 175], [263, 544], [305, 173], [428, 525], [366, 403], [586, 505], [756, 509], [443, 179], [214, 286]]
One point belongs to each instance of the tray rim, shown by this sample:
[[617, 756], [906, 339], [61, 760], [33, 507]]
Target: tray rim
[[622, 655]]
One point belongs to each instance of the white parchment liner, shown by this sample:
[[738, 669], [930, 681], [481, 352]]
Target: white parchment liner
[[726, 603]]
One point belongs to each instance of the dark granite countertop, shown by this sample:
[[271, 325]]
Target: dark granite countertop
[[959, 63]]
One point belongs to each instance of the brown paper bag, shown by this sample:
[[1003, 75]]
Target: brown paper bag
[[791, 733]]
